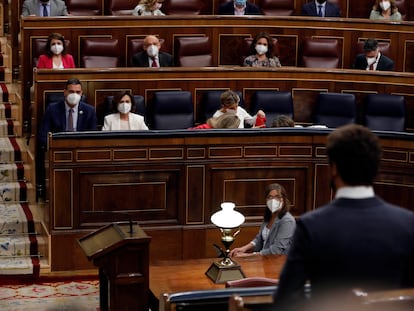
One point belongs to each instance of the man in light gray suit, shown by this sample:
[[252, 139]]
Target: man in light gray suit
[[44, 8]]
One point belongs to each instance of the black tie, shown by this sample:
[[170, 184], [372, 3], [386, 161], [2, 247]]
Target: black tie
[[44, 9], [320, 10]]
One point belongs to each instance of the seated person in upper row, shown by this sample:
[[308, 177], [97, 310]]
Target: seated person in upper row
[[124, 117], [230, 104], [321, 8], [261, 51], [44, 8], [151, 55], [149, 8], [239, 7], [55, 56], [372, 58], [385, 10]]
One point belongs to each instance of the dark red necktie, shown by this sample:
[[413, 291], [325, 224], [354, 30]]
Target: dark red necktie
[[154, 62]]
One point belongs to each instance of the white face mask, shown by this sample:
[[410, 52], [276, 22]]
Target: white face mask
[[371, 60], [152, 50], [56, 49], [261, 49], [124, 107], [273, 205], [232, 111], [73, 99], [385, 5]]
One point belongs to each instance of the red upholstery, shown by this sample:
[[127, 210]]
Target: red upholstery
[[193, 52], [99, 52], [252, 282], [277, 7], [39, 48], [84, 7], [402, 8], [183, 7], [321, 53], [120, 7], [136, 46]]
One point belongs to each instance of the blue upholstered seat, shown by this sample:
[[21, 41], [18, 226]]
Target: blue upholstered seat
[[273, 103], [172, 110], [335, 109], [385, 112]]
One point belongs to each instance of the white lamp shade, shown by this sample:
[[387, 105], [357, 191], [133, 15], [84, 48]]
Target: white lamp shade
[[227, 217]]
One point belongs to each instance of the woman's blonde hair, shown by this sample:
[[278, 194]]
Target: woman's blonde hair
[[225, 121], [148, 3]]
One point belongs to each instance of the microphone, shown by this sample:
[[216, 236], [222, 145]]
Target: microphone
[[131, 230]]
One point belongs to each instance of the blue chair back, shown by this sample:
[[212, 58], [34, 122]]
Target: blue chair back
[[335, 109], [172, 110], [273, 103], [385, 112]]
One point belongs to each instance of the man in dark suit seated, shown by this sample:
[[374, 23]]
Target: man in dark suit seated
[[44, 8], [321, 8], [239, 7], [357, 240], [372, 58], [151, 56], [69, 115]]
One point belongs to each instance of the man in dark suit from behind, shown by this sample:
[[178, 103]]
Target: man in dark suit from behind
[[239, 7], [321, 8], [356, 241], [372, 58], [151, 56]]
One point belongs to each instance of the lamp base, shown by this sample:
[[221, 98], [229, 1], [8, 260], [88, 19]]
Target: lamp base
[[220, 273]]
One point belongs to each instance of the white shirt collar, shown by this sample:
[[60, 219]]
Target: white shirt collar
[[318, 4], [355, 192]]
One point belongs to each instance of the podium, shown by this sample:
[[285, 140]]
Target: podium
[[122, 257]]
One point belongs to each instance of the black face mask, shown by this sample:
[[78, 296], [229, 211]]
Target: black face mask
[[321, 1]]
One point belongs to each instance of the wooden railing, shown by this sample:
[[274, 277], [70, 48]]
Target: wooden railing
[[172, 181], [304, 83]]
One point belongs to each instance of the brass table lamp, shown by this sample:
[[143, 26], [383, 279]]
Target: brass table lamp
[[228, 221]]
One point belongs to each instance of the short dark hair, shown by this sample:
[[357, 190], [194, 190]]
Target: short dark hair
[[283, 120], [370, 45], [356, 152], [117, 98], [286, 203], [73, 81]]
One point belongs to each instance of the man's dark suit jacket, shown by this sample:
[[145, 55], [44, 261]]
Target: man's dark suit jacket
[[141, 59], [331, 9], [54, 120], [228, 9], [349, 243], [384, 63]]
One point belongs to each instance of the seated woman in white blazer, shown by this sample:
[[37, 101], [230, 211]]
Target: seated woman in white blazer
[[124, 118]]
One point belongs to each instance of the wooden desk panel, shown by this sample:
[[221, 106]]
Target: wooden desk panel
[[171, 276], [173, 199]]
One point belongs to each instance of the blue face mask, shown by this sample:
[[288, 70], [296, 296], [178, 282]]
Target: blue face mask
[[240, 2]]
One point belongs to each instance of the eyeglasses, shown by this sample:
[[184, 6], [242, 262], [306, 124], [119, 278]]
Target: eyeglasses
[[271, 197]]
